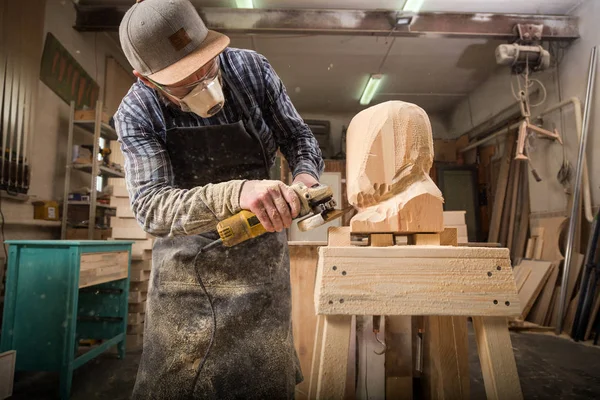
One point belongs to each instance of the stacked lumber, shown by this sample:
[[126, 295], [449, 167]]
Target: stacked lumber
[[509, 221], [456, 219], [125, 227]]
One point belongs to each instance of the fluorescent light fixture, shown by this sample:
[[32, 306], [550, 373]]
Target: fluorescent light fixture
[[370, 89], [413, 5], [400, 21], [244, 4]]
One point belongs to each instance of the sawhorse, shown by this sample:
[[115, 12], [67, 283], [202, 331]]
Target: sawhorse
[[441, 282]]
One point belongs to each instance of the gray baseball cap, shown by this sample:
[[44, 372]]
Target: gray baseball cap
[[167, 41]]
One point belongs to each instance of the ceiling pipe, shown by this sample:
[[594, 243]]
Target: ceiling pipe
[[576, 192]]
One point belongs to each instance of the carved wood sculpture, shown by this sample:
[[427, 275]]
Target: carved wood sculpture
[[389, 154]]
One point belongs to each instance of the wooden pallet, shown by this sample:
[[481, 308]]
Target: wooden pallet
[[136, 318]]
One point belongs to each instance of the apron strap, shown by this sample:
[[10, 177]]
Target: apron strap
[[248, 118]]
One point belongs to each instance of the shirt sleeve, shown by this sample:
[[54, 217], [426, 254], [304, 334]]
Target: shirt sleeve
[[293, 136], [159, 207]]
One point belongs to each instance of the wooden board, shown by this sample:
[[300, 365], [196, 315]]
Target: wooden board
[[135, 233], [398, 368], [128, 223], [139, 276], [461, 230], [135, 329], [497, 360], [96, 268], [7, 373], [137, 307], [518, 249], [303, 269], [574, 272], [593, 315], [407, 280], [137, 296], [120, 191], [334, 357], [445, 358], [141, 265], [541, 307], [449, 237], [136, 318], [501, 187], [552, 228], [540, 271]]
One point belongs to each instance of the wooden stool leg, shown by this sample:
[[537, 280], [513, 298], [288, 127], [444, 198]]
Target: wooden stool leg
[[497, 359], [445, 358], [316, 358], [334, 357]]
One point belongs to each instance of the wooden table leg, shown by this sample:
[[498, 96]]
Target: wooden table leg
[[333, 363], [497, 359], [445, 358], [316, 358]]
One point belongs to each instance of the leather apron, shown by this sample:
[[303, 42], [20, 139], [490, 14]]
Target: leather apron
[[251, 352]]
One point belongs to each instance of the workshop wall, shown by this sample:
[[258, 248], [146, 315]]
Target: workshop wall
[[568, 79], [338, 121], [49, 142]]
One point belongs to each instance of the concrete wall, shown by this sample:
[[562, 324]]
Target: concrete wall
[[566, 80], [49, 141]]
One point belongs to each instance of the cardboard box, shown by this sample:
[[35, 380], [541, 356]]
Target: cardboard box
[[46, 210]]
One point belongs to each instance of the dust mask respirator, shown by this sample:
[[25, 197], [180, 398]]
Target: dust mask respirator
[[206, 99]]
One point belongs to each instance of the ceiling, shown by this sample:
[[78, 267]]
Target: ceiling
[[327, 73]]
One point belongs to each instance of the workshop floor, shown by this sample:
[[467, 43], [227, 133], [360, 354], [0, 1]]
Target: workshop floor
[[549, 368]]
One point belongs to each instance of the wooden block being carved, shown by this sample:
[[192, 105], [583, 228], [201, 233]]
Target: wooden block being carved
[[415, 280], [389, 155]]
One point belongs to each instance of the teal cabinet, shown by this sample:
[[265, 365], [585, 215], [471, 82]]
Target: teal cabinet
[[59, 292]]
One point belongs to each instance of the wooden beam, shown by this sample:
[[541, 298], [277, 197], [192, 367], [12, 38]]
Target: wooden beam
[[333, 365], [415, 280], [316, 360], [501, 187], [497, 360]]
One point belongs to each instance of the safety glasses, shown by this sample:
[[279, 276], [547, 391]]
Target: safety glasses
[[181, 91]]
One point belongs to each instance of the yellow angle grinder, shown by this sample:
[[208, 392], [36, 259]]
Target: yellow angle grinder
[[317, 207]]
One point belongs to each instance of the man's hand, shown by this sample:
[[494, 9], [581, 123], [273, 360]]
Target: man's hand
[[307, 179], [273, 202]]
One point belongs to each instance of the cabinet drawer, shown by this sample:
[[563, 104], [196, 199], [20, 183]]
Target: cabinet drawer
[[95, 268]]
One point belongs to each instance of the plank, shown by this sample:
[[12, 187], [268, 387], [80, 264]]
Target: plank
[[331, 381], [540, 271], [593, 315], [513, 206], [551, 317], [303, 270], [446, 358], [120, 191], [338, 236], [316, 359], [501, 186], [570, 315], [552, 230], [461, 230], [407, 280], [496, 357], [139, 276], [130, 233], [136, 296], [454, 218], [505, 224], [137, 307], [537, 250], [449, 237], [398, 358], [530, 247], [120, 203], [136, 318], [141, 265], [139, 286], [518, 249], [7, 373], [541, 307], [135, 329], [425, 239], [574, 274], [129, 223]]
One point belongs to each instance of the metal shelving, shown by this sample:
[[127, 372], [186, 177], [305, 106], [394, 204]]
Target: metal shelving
[[97, 128]]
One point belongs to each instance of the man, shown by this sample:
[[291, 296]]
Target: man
[[199, 131]]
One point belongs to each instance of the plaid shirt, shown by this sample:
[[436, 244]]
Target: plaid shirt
[[143, 119]]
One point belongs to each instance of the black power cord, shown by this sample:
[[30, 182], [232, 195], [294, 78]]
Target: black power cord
[[214, 320]]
